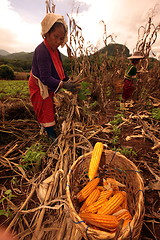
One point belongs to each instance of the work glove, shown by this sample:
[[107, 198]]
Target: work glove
[[72, 87]]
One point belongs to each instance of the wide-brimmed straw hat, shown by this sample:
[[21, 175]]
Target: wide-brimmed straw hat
[[136, 55], [49, 20]]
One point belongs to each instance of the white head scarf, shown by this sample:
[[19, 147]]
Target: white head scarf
[[49, 20]]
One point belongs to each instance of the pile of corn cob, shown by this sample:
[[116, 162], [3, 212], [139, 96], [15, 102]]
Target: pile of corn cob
[[103, 206]]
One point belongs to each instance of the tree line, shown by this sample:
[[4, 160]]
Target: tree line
[[21, 62]]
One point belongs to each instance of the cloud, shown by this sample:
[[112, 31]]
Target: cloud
[[16, 33], [20, 21], [5, 39], [71, 6], [20, 26], [122, 18]]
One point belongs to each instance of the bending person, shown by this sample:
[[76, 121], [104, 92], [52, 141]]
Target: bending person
[[47, 74]]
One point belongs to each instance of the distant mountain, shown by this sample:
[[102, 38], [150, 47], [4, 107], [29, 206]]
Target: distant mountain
[[20, 61], [23, 56], [3, 52], [112, 49], [115, 49]]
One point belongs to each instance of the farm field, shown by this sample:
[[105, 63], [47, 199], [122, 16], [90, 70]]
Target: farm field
[[37, 175], [27, 156], [14, 88]]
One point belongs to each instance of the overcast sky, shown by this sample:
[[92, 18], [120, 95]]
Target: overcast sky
[[20, 21]]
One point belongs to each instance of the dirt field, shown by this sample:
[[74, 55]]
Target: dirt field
[[19, 130]]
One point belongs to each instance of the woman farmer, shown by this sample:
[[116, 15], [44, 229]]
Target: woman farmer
[[47, 73], [130, 76]]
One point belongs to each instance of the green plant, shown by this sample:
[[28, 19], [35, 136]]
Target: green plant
[[7, 196], [33, 157], [117, 119], [116, 130], [125, 151], [155, 113], [84, 91], [114, 140], [5, 213], [14, 88], [14, 181]]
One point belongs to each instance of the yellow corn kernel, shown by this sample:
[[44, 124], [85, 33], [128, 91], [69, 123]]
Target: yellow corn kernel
[[95, 160], [101, 188], [91, 199], [105, 194], [108, 222], [94, 207], [117, 209], [86, 191], [110, 206]]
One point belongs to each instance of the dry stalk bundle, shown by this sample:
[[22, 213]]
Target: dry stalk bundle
[[37, 218], [147, 36]]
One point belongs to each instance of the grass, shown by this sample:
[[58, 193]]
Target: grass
[[13, 88]]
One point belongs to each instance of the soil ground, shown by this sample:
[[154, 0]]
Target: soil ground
[[142, 146]]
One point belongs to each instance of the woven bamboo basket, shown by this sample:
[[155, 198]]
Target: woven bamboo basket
[[114, 165]]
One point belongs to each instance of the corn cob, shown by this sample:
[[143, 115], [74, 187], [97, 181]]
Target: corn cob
[[86, 191], [117, 210], [122, 192], [101, 188], [126, 222], [95, 160], [94, 207], [110, 206], [124, 204], [91, 199], [108, 222], [123, 214], [105, 194]]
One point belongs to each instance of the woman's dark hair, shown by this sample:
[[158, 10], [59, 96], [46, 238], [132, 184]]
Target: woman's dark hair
[[55, 25]]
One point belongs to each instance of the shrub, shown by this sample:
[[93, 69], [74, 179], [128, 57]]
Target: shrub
[[6, 72]]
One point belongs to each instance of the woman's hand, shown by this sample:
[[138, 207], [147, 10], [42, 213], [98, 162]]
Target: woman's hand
[[72, 87]]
